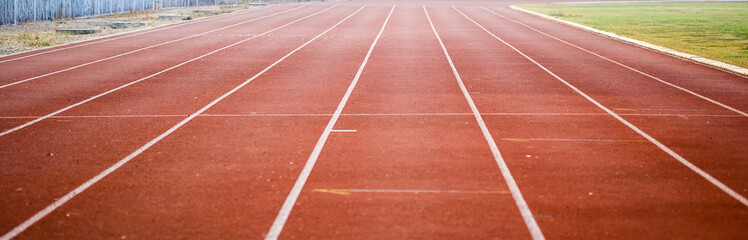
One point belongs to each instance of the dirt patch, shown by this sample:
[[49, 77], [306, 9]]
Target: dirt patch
[[34, 35]]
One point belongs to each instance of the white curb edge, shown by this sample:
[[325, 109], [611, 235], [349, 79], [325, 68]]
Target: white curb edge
[[694, 58]]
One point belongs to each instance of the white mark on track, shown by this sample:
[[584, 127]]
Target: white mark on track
[[343, 131]]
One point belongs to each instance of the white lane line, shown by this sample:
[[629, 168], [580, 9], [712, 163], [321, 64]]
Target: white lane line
[[285, 211], [145, 48], [96, 116], [524, 209], [651, 139], [572, 140], [626, 66], [668, 109], [64, 199], [407, 114], [412, 191], [6, 132], [343, 131], [270, 115], [376, 114], [115, 37]]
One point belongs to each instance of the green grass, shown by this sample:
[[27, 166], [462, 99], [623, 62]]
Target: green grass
[[713, 30]]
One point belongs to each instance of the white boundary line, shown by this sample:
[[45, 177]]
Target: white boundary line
[[625, 66], [64, 199], [285, 211], [651, 139], [524, 209], [145, 48], [690, 57], [6, 132], [116, 36]]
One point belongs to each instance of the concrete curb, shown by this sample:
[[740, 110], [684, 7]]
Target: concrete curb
[[690, 57]]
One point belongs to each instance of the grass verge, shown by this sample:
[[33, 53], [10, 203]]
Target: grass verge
[[715, 30]]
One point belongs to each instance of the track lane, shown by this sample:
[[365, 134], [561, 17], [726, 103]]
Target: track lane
[[194, 86], [172, 187], [626, 66], [85, 99], [583, 174], [727, 88], [28, 68], [32, 181], [565, 175], [391, 155], [620, 89], [23, 73], [74, 45]]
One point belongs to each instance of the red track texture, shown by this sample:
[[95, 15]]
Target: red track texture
[[369, 120]]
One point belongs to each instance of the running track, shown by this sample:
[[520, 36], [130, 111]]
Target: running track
[[370, 121]]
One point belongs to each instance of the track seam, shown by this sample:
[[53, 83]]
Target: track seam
[[41, 214], [285, 211], [625, 66], [144, 48], [6, 132], [524, 209], [651, 139]]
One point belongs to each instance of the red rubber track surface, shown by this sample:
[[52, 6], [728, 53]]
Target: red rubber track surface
[[406, 157]]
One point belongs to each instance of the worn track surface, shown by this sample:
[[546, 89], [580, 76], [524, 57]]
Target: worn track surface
[[374, 120]]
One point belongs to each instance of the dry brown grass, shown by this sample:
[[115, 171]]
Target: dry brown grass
[[41, 38]]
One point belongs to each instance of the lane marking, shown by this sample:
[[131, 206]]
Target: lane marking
[[376, 114], [651, 139], [626, 66], [64, 199], [413, 191], [285, 211], [144, 48], [571, 140], [343, 131], [524, 209], [116, 37], [96, 116], [6, 132], [667, 110]]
